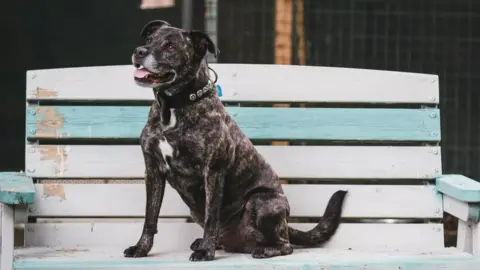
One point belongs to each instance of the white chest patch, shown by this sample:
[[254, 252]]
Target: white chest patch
[[173, 121], [166, 149]]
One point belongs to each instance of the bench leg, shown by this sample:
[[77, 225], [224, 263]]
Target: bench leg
[[468, 239], [6, 252]]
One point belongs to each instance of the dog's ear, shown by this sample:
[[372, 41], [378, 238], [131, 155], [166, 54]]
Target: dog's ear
[[202, 43], [151, 26]]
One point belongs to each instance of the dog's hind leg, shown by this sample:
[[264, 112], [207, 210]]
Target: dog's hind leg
[[269, 219]]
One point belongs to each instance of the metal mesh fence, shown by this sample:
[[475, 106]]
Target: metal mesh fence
[[427, 36]]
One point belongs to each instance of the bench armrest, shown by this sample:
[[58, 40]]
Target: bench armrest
[[16, 191], [461, 198], [16, 188], [459, 187]]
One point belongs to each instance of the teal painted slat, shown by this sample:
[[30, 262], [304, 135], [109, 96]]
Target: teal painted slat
[[412, 263], [257, 123], [16, 188], [459, 187]]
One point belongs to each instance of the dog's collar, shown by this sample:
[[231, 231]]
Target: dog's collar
[[185, 97]]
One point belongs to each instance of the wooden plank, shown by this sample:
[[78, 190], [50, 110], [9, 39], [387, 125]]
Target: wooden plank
[[351, 124], [245, 82], [354, 162], [128, 200], [283, 31], [300, 30], [179, 236], [16, 188], [305, 258], [459, 187]]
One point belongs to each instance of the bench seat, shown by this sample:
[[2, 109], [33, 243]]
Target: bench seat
[[316, 258], [376, 134]]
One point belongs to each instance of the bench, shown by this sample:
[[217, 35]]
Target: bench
[[374, 133]]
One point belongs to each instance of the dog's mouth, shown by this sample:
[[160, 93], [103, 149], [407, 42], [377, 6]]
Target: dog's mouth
[[143, 75]]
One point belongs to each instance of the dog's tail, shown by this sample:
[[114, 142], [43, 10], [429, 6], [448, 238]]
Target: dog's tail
[[327, 226]]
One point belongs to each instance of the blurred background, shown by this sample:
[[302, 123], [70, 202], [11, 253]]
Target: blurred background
[[427, 36]]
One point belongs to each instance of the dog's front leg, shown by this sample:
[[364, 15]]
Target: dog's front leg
[[155, 188], [214, 182]]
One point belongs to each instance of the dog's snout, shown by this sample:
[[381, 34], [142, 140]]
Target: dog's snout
[[140, 51]]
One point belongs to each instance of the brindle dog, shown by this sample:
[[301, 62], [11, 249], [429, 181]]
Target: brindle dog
[[191, 141]]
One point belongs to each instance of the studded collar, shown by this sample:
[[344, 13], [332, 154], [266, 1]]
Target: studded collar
[[184, 98]]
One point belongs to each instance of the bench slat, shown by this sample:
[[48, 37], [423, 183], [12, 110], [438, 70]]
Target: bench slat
[[302, 258], [179, 236], [257, 123], [354, 162], [245, 82], [128, 200]]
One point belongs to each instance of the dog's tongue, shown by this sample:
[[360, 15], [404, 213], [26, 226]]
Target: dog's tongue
[[141, 73]]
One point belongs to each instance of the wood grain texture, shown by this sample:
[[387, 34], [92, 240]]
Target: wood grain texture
[[305, 259], [459, 187], [283, 31], [128, 200], [179, 236], [354, 162], [245, 82], [257, 123], [16, 188]]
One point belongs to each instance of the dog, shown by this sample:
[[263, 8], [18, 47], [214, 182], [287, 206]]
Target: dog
[[191, 142]]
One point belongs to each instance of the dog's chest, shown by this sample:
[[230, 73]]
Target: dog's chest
[[182, 155], [184, 169]]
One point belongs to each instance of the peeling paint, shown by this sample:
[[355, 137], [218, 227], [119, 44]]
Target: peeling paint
[[56, 153], [45, 93], [54, 190], [49, 122]]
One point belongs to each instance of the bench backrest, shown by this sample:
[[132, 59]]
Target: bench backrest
[[375, 133]]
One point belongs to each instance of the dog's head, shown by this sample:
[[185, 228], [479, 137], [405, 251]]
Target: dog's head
[[169, 57]]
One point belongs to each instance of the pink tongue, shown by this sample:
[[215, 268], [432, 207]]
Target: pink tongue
[[141, 73]]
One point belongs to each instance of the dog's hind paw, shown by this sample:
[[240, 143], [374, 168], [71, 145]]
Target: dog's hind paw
[[261, 252], [135, 252], [202, 255]]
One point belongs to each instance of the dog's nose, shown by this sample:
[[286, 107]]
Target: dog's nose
[[140, 51]]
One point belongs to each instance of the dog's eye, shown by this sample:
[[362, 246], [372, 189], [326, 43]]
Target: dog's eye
[[170, 48], [148, 40]]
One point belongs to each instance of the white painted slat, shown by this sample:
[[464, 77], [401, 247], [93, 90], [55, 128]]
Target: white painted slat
[[305, 258], [179, 236], [245, 82], [120, 200], [104, 161]]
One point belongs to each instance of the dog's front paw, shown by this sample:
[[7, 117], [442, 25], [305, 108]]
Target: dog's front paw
[[197, 243], [136, 251], [202, 255]]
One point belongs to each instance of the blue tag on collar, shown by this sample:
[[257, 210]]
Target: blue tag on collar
[[219, 90]]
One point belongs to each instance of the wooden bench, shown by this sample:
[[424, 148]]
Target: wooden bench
[[375, 133]]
